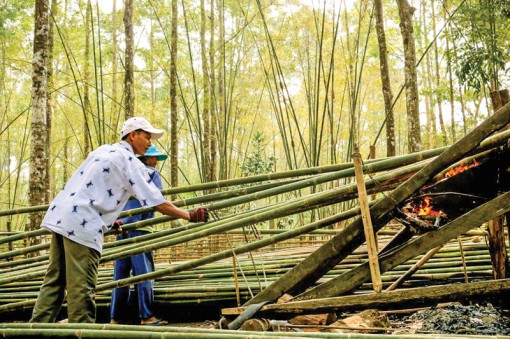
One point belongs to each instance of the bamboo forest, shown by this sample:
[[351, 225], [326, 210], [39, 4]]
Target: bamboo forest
[[254, 168]]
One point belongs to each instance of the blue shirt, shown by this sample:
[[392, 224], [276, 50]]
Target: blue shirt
[[94, 196], [135, 203]]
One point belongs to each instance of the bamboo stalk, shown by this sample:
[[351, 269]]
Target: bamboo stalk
[[463, 259], [367, 222], [173, 289], [415, 267], [133, 331]]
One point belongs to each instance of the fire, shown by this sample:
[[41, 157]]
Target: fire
[[426, 208], [461, 168]]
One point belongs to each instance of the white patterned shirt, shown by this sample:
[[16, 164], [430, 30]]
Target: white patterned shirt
[[92, 199]]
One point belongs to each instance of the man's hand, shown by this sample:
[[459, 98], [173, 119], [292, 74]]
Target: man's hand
[[201, 214]]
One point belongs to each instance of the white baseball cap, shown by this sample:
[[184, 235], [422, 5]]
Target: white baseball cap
[[135, 123]]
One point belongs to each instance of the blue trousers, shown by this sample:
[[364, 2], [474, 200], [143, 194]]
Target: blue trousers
[[122, 297]]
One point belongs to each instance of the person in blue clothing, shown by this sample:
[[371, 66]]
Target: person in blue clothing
[[140, 263]]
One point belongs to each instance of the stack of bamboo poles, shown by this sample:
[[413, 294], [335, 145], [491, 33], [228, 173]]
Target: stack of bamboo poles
[[235, 207], [217, 282]]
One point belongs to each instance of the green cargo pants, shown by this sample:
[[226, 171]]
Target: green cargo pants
[[72, 266]]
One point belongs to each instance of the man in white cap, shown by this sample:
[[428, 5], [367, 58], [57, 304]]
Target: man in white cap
[[85, 208]]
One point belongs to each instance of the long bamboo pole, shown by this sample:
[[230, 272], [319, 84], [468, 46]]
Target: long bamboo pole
[[415, 267], [122, 331], [193, 286], [288, 208], [429, 294]]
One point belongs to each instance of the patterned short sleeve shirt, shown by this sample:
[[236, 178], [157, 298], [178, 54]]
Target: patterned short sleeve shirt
[[94, 196]]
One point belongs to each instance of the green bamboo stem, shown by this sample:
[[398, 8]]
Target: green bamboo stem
[[25, 250], [41, 272], [134, 331], [153, 221], [216, 184], [24, 261]]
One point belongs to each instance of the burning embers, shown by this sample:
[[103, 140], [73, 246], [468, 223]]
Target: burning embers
[[426, 208], [464, 187], [461, 168], [420, 215]]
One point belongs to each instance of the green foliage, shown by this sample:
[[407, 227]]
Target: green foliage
[[482, 44], [257, 162]]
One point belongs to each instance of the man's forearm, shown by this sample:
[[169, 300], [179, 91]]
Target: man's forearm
[[170, 209]]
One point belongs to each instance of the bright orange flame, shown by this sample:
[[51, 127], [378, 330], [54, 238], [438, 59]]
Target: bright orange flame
[[461, 168], [426, 208]]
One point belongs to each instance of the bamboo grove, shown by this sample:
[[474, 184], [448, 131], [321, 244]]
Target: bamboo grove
[[242, 87]]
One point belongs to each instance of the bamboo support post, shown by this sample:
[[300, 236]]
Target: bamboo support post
[[367, 222], [496, 235], [236, 282], [374, 196], [463, 258], [415, 267]]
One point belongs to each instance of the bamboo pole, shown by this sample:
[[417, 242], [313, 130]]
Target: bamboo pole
[[429, 294], [415, 267], [212, 278], [134, 331], [236, 283], [463, 258], [283, 209], [367, 222]]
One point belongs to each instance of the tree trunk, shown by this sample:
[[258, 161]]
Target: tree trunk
[[222, 125], [385, 79], [413, 116], [174, 117], [206, 102], [38, 151], [353, 130], [451, 92], [438, 79], [213, 132], [49, 102], [115, 91], [129, 78], [87, 111]]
